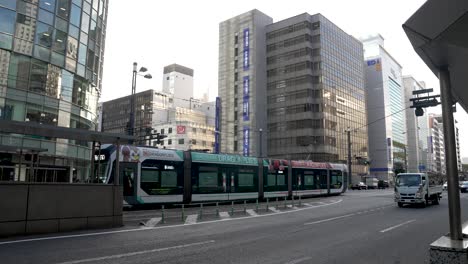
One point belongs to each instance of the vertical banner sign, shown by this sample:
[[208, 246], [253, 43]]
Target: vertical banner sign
[[217, 117], [246, 141], [246, 49], [431, 147], [245, 101]]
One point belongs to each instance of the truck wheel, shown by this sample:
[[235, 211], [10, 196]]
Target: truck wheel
[[400, 204], [436, 200]]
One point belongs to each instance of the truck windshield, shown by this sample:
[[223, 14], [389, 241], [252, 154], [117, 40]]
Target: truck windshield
[[408, 180]]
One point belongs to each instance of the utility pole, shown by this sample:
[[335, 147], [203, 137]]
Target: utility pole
[[348, 131]]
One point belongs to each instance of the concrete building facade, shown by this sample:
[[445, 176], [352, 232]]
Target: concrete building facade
[[385, 109], [178, 81], [242, 83]]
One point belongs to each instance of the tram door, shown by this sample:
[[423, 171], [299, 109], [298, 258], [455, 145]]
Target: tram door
[[229, 180], [128, 173]]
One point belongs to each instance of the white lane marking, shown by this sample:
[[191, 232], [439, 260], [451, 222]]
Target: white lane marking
[[224, 215], [396, 226], [136, 253], [159, 227], [298, 260], [152, 222], [329, 219], [191, 219], [251, 212], [307, 204], [273, 209]]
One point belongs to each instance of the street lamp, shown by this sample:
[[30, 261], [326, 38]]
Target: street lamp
[[131, 130]]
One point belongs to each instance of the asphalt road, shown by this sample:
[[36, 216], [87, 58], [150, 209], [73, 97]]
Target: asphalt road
[[357, 227]]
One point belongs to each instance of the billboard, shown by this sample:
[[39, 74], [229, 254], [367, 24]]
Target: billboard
[[246, 142], [245, 100], [180, 129], [246, 51]]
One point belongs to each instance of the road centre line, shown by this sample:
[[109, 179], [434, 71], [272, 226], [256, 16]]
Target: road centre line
[[161, 227], [329, 219], [298, 260], [396, 226], [136, 253]]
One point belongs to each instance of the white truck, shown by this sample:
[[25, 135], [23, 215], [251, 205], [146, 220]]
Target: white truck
[[416, 188], [372, 183]]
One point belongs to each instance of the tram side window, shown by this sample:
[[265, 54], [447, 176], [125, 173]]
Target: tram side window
[[207, 179], [161, 177], [275, 181], [246, 180], [336, 179]]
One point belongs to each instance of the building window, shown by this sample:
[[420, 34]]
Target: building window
[[162, 131], [235, 115], [236, 51], [204, 131], [236, 39], [169, 130], [235, 145], [194, 129], [181, 141], [169, 141], [194, 141]]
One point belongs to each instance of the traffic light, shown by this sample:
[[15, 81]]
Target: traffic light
[[159, 137]]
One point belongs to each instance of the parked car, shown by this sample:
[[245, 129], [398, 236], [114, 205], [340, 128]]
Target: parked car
[[359, 186], [444, 187], [383, 184], [464, 186]]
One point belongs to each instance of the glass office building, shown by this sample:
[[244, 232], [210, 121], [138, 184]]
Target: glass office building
[[51, 58]]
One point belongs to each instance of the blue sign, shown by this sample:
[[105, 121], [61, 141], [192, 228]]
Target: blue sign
[[373, 62], [246, 52], [246, 144], [422, 167], [378, 169], [217, 123], [245, 101]]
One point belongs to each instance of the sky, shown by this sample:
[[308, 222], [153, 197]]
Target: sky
[[158, 33]]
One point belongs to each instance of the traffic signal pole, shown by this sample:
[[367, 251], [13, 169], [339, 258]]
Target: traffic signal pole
[[348, 131]]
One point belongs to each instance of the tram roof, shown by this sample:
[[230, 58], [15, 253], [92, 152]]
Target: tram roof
[[29, 128]]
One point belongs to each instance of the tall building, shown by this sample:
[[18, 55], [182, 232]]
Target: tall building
[[313, 83], [242, 83], [178, 81], [385, 110], [315, 91], [417, 130], [437, 145], [51, 58], [184, 128]]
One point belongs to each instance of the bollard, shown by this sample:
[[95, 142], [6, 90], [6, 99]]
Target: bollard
[[285, 202], [299, 201], [256, 206], [183, 213], [268, 200], [217, 209], [200, 212], [277, 203], [245, 207], [162, 215], [292, 200], [232, 208]]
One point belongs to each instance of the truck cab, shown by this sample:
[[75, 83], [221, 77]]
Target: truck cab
[[416, 188]]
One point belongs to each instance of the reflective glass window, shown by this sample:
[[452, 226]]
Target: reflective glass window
[[94, 15], [38, 76], [80, 69], [8, 3], [87, 7], [25, 27], [6, 41], [77, 2], [61, 24], [57, 59], [92, 30], [18, 71], [44, 34], [85, 23], [82, 54], [95, 4], [53, 81], [7, 20], [73, 31], [72, 48], [63, 8], [90, 59], [41, 53], [75, 15], [66, 86], [60, 41], [48, 5], [23, 46], [46, 17], [84, 38], [27, 9], [70, 64]]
